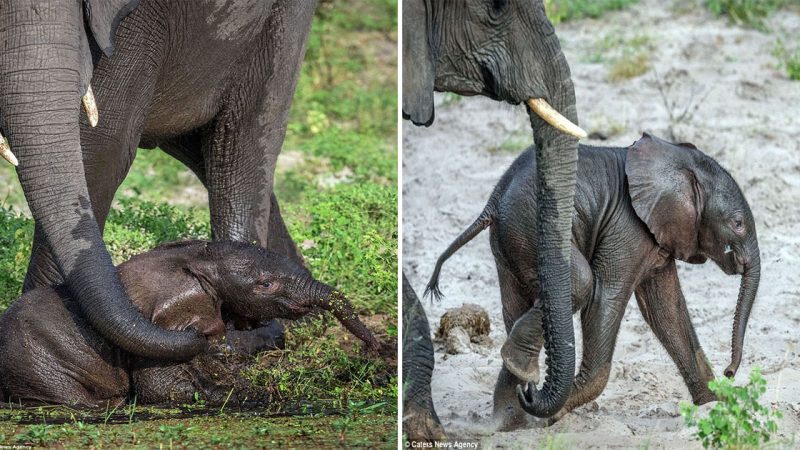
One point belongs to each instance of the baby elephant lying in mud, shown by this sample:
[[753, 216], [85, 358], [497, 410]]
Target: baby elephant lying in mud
[[637, 209], [49, 353]]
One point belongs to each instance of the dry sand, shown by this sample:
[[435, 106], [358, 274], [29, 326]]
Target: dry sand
[[748, 118]]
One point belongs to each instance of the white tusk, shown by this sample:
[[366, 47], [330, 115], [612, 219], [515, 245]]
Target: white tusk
[[728, 249], [5, 152], [91, 107], [554, 118]]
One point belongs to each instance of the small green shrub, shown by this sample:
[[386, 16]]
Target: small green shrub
[[563, 10], [16, 238], [788, 59], [348, 236], [138, 226], [749, 13], [738, 420], [38, 435]]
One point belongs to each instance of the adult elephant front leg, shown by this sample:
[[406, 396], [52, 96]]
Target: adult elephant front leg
[[44, 71], [249, 132]]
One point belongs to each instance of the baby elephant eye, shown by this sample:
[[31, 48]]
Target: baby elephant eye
[[738, 223], [266, 284]]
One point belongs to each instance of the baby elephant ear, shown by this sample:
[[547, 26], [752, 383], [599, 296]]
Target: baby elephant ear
[[666, 194]]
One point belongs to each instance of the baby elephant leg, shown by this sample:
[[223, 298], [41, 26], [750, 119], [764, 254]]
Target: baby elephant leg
[[270, 336], [664, 308], [521, 350], [212, 378], [600, 322]]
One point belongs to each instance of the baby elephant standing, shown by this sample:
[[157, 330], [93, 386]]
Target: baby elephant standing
[[637, 209], [49, 352]]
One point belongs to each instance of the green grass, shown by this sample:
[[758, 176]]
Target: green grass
[[337, 183], [563, 10], [788, 59], [625, 56], [750, 13], [358, 426]]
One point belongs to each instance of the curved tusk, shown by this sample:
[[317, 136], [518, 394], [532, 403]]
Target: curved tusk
[[554, 118], [91, 107], [5, 152]]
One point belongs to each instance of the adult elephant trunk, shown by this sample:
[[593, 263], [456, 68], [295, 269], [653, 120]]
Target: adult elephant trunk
[[747, 295], [44, 72], [556, 167], [329, 299]]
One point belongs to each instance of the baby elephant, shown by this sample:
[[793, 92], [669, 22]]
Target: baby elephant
[[49, 353], [637, 209]]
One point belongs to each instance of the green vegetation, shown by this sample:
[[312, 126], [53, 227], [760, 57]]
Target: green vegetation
[[357, 426], [337, 184], [738, 420], [749, 13], [626, 56], [788, 59], [562, 10]]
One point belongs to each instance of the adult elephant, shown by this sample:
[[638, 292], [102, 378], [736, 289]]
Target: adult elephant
[[507, 50], [209, 81]]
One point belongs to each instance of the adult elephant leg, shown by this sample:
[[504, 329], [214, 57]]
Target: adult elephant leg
[[250, 130], [420, 422], [507, 412], [662, 304], [41, 70]]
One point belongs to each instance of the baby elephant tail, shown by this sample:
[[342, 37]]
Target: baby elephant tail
[[481, 223]]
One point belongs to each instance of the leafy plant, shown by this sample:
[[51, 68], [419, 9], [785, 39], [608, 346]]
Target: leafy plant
[[39, 435], [738, 420], [174, 433], [750, 13], [789, 59]]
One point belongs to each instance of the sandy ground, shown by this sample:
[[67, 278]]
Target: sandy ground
[[746, 117]]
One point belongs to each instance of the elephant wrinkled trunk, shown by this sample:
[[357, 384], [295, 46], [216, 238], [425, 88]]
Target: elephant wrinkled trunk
[[744, 304], [556, 170], [334, 301]]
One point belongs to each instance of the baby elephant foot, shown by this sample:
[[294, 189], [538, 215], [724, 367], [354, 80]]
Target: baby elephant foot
[[703, 396], [507, 413], [520, 352], [520, 363]]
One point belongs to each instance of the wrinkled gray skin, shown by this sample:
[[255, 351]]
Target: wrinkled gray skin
[[209, 81], [637, 209], [420, 422], [50, 354], [507, 50]]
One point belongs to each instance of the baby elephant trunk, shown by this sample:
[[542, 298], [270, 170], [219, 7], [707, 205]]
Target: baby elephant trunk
[[747, 295], [334, 301]]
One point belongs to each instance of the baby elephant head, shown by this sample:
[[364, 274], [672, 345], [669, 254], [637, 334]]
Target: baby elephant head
[[256, 284], [696, 211]]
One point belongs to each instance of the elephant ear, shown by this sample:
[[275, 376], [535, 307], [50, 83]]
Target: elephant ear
[[104, 16], [666, 194], [203, 269], [418, 66]]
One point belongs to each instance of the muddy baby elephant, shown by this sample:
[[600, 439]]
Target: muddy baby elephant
[[637, 209], [49, 353]]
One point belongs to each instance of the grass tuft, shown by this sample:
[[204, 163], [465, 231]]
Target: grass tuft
[[563, 10], [750, 13]]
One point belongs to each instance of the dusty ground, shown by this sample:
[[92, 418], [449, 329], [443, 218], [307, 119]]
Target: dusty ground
[[746, 117]]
